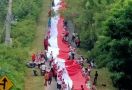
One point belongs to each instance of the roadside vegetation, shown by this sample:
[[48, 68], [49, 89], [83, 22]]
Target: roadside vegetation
[[13, 58]]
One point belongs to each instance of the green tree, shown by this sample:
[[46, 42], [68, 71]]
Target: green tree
[[115, 50]]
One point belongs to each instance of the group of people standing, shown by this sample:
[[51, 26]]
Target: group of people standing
[[55, 71], [66, 36], [87, 66]]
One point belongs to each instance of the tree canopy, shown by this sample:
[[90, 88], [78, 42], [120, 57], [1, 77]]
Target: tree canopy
[[105, 28]]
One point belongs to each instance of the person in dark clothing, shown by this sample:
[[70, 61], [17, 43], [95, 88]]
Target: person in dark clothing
[[30, 65], [50, 77], [49, 22], [53, 4], [65, 23], [72, 55], [77, 42], [73, 37], [95, 77], [82, 88], [35, 73], [42, 55], [46, 43], [59, 86]]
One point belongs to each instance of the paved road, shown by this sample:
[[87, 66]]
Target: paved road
[[53, 85]]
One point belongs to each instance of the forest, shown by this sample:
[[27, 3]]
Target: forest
[[104, 27], [13, 58]]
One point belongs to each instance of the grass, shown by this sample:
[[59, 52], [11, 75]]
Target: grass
[[104, 74], [103, 78], [31, 82]]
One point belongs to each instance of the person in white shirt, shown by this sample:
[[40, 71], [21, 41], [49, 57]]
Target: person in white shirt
[[43, 69]]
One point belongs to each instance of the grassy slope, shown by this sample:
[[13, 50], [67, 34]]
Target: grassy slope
[[36, 83], [104, 75]]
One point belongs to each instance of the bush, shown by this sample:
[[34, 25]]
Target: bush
[[12, 59], [12, 64]]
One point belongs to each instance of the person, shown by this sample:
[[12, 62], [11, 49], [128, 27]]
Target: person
[[83, 71], [58, 85], [52, 3], [30, 64], [87, 79], [42, 54], [38, 59], [95, 77], [48, 34], [92, 64], [35, 72], [65, 23], [72, 52], [81, 60], [45, 56], [55, 75], [46, 43], [33, 57], [46, 77], [51, 59], [55, 71], [59, 81], [72, 55], [89, 69], [82, 88], [93, 87], [63, 85], [49, 13], [50, 77], [43, 69], [51, 56], [77, 42], [49, 23], [73, 37], [66, 35], [69, 54]]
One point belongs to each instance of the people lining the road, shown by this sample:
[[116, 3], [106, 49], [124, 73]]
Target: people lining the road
[[50, 69]]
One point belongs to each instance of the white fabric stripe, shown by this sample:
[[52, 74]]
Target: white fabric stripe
[[56, 2], [65, 76], [54, 46]]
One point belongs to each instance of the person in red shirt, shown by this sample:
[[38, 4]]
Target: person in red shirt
[[33, 57], [46, 43]]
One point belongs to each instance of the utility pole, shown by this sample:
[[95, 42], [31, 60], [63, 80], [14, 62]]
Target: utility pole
[[8, 23]]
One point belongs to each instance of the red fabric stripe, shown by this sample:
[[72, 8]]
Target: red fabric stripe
[[72, 67], [64, 49]]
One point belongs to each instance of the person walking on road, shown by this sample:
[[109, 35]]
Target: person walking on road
[[50, 77], [46, 77]]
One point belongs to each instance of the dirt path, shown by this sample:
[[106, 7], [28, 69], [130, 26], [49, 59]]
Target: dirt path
[[31, 82]]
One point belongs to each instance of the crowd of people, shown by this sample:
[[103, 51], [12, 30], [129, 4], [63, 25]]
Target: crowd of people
[[49, 68]]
